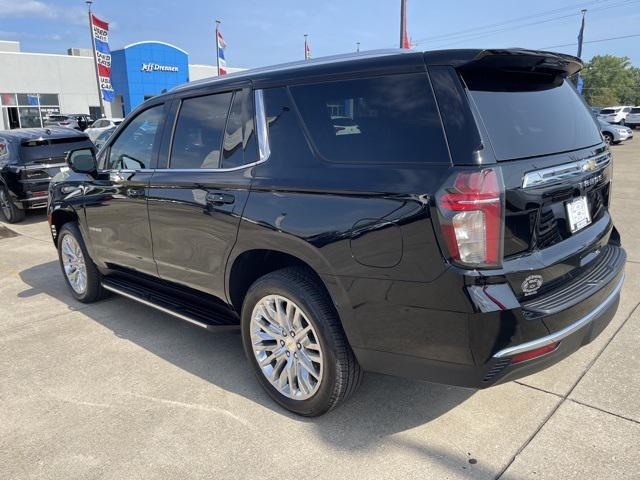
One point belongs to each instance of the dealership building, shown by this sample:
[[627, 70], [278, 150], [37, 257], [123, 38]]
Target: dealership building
[[34, 85]]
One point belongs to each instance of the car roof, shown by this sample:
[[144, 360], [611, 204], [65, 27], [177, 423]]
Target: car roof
[[382, 61], [20, 134]]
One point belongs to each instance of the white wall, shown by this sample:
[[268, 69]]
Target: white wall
[[72, 78], [197, 72]]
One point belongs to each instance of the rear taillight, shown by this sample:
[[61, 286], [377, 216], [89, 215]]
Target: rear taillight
[[471, 217]]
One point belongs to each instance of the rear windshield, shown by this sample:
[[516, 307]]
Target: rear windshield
[[53, 148], [57, 117], [378, 120], [635, 110], [530, 115], [607, 111]]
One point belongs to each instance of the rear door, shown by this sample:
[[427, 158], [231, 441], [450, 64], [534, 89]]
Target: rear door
[[196, 201]]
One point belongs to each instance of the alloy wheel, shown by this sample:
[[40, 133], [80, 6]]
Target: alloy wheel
[[4, 204], [286, 347], [74, 264]]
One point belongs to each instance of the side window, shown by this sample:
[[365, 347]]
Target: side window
[[377, 120], [97, 124], [133, 149], [239, 129], [627, 110], [198, 133]]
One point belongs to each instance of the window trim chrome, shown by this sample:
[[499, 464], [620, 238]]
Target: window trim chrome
[[546, 176], [262, 130]]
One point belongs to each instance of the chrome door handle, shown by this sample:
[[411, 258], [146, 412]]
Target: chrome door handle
[[135, 193], [220, 198]]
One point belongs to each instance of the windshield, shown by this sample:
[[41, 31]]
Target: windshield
[[529, 115], [607, 111]]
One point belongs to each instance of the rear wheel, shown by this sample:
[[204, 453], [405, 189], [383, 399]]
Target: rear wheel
[[10, 212], [80, 273], [295, 343]]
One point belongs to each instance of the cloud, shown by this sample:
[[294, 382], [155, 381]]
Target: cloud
[[29, 8], [30, 36], [38, 9]]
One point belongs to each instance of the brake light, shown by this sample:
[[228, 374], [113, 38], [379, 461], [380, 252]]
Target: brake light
[[471, 215]]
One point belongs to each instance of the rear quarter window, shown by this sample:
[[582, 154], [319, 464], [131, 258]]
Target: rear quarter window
[[377, 120]]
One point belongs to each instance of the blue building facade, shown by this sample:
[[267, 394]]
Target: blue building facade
[[144, 69]]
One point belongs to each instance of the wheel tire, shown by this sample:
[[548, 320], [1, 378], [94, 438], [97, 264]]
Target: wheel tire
[[10, 212], [341, 373], [622, 122], [93, 290], [608, 138]]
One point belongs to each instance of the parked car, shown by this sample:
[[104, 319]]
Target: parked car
[[613, 134], [100, 126], [28, 159], [633, 118], [103, 137], [77, 121], [428, 238], [615, 114]]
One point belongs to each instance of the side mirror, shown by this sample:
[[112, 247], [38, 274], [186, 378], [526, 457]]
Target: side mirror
[[82, 160]]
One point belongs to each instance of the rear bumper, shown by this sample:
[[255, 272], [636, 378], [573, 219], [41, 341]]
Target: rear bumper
[[495, 338]]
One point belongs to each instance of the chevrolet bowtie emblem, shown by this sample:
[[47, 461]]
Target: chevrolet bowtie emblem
[[589, 165]]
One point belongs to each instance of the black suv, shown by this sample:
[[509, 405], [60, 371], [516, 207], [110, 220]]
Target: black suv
[[29, 158], [440, 215]]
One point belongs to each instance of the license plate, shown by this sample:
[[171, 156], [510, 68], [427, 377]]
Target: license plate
[[578, 214]]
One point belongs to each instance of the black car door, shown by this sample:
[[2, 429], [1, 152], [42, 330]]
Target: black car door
[[116, 202], [196, 201]]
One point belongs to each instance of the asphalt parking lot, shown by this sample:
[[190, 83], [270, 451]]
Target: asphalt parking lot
[[119, 390]]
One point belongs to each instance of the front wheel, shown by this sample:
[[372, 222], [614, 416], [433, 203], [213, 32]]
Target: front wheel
[[295, 343], [608, 138], [80, 273]]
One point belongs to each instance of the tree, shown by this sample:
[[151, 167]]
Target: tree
[[611, 80]]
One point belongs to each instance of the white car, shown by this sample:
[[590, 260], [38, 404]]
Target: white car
[[100, 126], [615, 114], [633, 118]]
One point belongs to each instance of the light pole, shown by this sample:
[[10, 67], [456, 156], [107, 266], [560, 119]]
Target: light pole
[[357, 46], [95, 59]]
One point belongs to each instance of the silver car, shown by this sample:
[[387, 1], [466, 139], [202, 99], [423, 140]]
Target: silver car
[[614, 133]]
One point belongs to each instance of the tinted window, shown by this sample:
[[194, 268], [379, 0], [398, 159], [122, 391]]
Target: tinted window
[[133, 149], [53, 148], [528, 115], [390, 119], [239, 127], [198, 134], [607, 111], [635, 110]]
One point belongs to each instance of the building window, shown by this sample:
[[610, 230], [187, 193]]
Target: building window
[[26, 110]]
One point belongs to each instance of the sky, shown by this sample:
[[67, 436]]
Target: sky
[[262, 32]]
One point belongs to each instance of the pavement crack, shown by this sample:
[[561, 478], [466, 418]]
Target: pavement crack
[[604, 411], [564, 398]]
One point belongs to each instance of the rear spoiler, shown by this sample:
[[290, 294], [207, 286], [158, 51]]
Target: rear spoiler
[[512, 59]]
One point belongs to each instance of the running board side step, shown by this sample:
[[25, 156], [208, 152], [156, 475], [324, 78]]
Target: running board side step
[[213, 319]]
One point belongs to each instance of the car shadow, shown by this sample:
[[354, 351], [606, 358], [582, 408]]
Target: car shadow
[[381, 407]]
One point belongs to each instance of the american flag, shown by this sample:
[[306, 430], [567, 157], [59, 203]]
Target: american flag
[[222, 63], [307, 49]]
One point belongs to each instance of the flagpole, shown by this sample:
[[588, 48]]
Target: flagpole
[[95, 59], [403, 21], [217, 47], [305, 46]]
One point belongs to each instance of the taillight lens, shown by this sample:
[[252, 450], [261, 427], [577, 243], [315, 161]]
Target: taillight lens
[[471, 217]]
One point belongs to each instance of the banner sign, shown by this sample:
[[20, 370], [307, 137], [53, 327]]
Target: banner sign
[[100, 31]]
